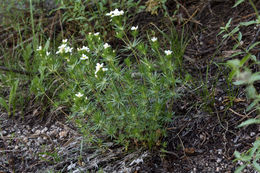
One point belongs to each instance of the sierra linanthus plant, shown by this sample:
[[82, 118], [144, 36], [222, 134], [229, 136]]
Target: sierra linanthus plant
[[128, 100]]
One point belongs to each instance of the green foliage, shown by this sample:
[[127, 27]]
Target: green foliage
[[53, 157], [126, 99], [250, 157], [11, 105], [123, 92], [90, 16], [244, 76]]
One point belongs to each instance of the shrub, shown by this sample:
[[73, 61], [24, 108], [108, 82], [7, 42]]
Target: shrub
[[128, 99]]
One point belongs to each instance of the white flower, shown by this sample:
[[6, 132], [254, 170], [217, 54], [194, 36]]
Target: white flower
[[68, 49], [114, 13], [109, 14], [61, 48], [106, 45], [84, 48], [39, 48], [117, 13], [83, 57], [134, 28], [168, 52], [98, 67], [86, 97], [154, 39], [48, 53], [96, 34], [78, 95]]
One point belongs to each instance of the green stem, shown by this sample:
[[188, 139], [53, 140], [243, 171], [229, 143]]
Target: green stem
[[254, 7], [31, 12]]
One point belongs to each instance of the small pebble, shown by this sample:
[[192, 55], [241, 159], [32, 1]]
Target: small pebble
[[25, 139], [239, 162], [40, 140], [4, 132], [219, 160], [219, 151], [44, 130], [37, 132], [63, 134], [252, 134]]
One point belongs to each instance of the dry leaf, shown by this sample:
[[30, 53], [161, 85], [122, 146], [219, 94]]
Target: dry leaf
[[152, 6], [189, 151]]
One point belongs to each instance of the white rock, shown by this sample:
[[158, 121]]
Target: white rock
[[63, 134], [25, 139], [219, 151], [40, 140], [37, 132], [219, 160], [252, 134], [44, 130], [4, 132]]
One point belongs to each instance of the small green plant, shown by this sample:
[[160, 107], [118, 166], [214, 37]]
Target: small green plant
[[53, 157], [124, 91], [19, 63], [127, 99], [251, 157], [244, 76], [10, 106]]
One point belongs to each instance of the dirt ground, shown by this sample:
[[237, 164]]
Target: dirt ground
[[201, 138]]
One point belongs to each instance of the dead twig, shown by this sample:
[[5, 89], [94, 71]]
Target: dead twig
[[238, 114]]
